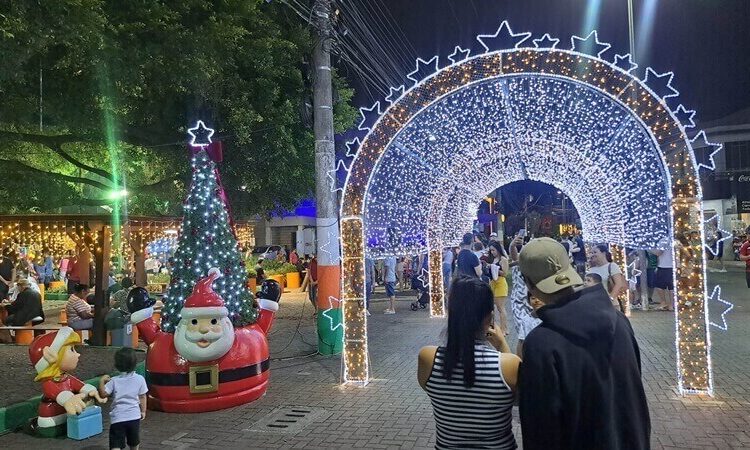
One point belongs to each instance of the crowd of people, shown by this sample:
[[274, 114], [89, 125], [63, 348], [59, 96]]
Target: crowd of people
[[21, 276], [576, 371]]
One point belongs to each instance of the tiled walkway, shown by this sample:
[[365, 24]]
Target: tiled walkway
[[392, 412]]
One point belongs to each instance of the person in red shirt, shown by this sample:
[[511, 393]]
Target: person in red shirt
[[293, 257], [74, 274], [745, 255]]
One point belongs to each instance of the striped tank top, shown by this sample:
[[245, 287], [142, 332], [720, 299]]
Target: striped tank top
[[476, 417]]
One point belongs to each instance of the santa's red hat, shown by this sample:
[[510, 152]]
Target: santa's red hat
[[54, 341], [204, 301]]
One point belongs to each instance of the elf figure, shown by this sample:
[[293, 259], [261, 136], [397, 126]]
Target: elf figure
[[53, 356], [207, 364]]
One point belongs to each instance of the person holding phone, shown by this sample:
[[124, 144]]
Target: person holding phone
[[497, 269], [471, 380]]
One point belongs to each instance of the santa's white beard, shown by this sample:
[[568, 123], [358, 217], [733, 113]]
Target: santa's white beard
[[186, 342]]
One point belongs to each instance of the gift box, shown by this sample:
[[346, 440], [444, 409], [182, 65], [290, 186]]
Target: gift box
[[84, 425]]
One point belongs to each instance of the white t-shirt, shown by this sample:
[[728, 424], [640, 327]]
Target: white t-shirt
[[448, 256], [666, 259], [605, 271], [125, 388], [390, 269]]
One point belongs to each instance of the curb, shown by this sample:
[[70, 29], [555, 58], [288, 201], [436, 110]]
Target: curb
[[15, 416]]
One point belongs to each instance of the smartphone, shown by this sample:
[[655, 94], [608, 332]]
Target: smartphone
[[522, 232]]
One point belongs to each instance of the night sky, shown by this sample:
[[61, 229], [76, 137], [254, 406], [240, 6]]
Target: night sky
[[704, 42]]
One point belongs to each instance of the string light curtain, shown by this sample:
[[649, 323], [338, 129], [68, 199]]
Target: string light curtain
[[571, 118]]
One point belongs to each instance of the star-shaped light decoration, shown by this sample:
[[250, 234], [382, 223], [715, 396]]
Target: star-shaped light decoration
[[716, 297], [589, 44], [394, 94], [458, 54], [200, 135], [352, 147], [324, 248], [660, 83], [685, 116], [633, 271], [700, 141], [369, 116], [327, 313], [423, 69], [546, 41], [424, 278], [504, 38], [726, 235], [336, 174], [625, 62]]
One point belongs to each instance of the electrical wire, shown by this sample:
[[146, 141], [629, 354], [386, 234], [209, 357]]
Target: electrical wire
[[373, 46]]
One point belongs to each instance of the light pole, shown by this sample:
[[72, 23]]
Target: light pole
[[330, 338]]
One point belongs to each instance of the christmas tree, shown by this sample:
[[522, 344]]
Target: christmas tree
[[206, 240]]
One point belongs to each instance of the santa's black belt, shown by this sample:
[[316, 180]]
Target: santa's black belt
[[225, 376]]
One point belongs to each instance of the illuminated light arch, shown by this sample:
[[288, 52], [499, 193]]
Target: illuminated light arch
[[573, 120]]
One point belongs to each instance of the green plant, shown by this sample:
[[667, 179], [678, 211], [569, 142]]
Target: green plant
[[104, 61], [288, 268], [251, 272], [272, 267], [57, 290], [157, 278]]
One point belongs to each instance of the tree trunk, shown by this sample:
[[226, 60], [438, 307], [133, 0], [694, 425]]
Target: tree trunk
[[104, 245]]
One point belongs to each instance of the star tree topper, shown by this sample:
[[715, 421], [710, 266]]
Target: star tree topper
[[200, 135]]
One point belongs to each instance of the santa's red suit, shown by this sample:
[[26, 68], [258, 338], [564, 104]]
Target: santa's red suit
[[240, 375]]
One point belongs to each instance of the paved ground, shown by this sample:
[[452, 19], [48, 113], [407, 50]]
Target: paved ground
[[392, 412]]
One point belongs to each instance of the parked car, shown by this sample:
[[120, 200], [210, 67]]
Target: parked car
[[267, 251]]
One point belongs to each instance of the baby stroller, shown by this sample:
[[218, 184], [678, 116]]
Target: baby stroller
[[423, 295]]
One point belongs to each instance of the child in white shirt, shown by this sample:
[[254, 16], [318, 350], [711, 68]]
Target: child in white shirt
[[129, 405]]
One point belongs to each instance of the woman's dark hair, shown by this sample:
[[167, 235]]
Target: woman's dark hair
[[80, 288], [469, 302], [126, 282], [499, 248], [604, 248], [125, 360]]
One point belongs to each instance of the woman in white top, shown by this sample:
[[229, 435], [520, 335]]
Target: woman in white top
[[602, 265]]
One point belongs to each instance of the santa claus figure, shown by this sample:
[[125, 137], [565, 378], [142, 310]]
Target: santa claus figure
[[207, 364], [53, 355]]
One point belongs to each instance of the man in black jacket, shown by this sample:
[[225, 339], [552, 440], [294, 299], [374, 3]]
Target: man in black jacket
[[580, 381], [27, 306]]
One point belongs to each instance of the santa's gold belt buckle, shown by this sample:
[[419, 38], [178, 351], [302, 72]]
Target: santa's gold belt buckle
[[203, 379]]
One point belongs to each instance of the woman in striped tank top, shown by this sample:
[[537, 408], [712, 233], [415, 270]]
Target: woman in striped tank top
[[471, 381]]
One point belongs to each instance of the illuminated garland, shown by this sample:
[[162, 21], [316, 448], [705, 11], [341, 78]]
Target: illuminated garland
[[569, 118]]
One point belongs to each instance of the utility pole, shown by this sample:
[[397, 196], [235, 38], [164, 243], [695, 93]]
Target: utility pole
[[330, 334]]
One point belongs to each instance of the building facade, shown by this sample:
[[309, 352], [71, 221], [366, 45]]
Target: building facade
[[726, 190]]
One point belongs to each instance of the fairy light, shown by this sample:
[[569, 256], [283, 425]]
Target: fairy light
[[206, 240], [566, 117], [619, 257]]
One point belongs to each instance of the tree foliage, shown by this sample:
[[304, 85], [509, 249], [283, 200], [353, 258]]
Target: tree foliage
[[122, 81]]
